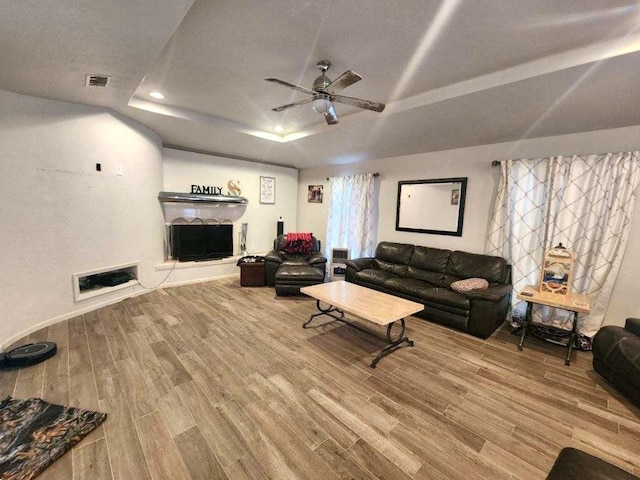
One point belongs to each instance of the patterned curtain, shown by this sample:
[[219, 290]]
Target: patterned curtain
[[352, 221], [585, 202]]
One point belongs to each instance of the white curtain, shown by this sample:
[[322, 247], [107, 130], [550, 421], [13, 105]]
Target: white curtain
[[585, 202], [352, 215]]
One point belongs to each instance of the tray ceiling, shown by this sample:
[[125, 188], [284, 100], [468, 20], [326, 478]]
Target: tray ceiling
[[452, 73]]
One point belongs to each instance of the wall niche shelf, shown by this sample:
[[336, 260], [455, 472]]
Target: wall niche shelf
[[196, 198], [86, 284]]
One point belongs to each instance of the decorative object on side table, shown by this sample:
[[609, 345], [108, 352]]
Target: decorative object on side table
[[267, 190], [557, 270]]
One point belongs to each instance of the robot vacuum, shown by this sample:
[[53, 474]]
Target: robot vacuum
[[27, 355]]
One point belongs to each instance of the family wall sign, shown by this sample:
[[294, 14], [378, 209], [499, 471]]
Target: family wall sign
[[233, 188]]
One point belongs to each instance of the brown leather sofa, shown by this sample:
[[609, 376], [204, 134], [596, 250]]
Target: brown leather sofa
[[424, 275], [287, 272], [616, 356]]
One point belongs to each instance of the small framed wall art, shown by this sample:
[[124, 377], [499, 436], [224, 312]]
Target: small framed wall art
[[315, 194], [267, 190], [455, 196]]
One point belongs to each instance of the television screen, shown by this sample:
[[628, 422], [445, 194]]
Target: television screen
[[201, 242]]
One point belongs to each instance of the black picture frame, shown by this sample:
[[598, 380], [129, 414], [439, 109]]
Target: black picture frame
[[315, 194], [453, 198]]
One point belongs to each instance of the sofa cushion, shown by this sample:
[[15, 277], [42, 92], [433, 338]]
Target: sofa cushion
[[408, 286], [471, 265], [436, 278], [397, 253], [463, 286], [431, 259], [393, 268], [374, 276], [444, 296], [292, 260], [427, 292]]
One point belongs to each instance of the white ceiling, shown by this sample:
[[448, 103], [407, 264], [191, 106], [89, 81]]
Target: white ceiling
[[453, 73]]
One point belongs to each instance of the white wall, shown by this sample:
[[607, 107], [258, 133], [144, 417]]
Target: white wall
[[475, 163], [183, 169], [60, 216]]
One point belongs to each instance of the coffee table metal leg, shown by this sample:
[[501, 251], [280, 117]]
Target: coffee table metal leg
[[323, 311], [393, 344]]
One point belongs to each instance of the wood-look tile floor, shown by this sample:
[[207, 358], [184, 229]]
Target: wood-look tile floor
[[215, 381]]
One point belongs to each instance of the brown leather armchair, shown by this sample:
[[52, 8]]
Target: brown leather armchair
[[616, 356], [287, 272]]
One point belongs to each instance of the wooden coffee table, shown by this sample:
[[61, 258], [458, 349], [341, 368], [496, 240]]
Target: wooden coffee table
[[376, 307]]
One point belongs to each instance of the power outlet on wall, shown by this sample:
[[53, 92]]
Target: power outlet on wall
[[118, 169]]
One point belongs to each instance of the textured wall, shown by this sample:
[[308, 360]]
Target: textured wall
[[60, 216]]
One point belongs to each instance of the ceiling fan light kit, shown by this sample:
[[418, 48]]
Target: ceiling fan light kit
[[322, 94], [321, 103]]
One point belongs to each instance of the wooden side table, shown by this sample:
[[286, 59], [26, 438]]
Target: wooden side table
[[252, 274], [573, 302]]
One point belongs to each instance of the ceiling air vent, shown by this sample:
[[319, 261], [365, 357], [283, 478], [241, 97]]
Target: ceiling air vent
[[97, 81]]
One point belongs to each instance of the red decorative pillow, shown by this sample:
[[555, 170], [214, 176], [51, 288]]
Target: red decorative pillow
[[299, 243], [462, 286]]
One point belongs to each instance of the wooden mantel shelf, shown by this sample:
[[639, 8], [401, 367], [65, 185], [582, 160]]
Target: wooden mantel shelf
[[197, 198]]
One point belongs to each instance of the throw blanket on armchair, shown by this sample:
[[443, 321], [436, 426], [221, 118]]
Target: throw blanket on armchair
[[299, 243]]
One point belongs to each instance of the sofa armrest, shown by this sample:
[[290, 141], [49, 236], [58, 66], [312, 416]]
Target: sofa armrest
[[492, 294], [317, 259], [361, 263], [633, 325], [274, 256]]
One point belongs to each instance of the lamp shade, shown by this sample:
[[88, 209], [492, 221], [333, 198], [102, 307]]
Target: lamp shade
[[321, 103]]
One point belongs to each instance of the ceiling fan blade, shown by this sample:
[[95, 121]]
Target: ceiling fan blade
[[331, 116], [347, 78], [358, 102], [290, 85], [295, 104]]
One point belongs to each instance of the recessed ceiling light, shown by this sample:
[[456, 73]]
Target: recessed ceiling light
[[157, 95], [278, 128]]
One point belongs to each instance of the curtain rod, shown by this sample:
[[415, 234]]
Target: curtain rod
[[495, 163], [375, 175]]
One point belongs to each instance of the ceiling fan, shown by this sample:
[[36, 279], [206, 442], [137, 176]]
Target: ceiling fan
[[323, 93]]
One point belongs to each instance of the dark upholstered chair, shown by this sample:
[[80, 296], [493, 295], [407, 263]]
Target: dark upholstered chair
[[616, 356], [287, 272], [574, 464]]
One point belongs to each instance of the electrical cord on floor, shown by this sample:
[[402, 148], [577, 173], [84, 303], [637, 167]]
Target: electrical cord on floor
[[173, 267]]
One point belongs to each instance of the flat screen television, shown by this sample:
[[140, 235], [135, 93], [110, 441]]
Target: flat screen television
[[201, 242]]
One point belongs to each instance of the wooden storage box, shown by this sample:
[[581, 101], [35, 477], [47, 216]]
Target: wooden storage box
[[252, 274]]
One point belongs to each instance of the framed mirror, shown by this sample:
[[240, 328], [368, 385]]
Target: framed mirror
[[431, 206]]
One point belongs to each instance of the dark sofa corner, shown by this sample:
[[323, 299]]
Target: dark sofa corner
[[616, 356], [424, 275]]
